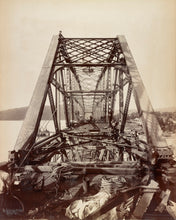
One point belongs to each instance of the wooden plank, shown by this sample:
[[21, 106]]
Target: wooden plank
[[144, 201], [34, 112]]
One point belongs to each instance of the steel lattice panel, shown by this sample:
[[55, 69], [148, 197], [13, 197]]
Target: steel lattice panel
[[89, 51]]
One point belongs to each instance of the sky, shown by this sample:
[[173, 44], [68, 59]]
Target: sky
[[27, 26]]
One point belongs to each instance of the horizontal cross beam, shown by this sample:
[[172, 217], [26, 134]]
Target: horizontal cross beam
[[117, 64]]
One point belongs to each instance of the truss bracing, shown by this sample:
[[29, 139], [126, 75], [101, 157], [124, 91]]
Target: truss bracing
[[98, 154]]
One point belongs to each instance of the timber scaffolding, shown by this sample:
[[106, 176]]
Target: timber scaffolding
[[97, 166]]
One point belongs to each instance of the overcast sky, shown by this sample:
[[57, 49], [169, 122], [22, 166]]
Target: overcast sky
[[27, 27]]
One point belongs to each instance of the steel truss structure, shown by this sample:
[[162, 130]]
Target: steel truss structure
[[89, 82]]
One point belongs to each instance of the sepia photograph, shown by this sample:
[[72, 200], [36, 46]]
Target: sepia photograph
[[88, 109]]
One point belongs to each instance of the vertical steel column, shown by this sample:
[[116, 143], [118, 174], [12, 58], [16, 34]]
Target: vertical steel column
[[104, 102], [121, 94], [65, 101], [71, 98], [53, 109], [68, 99], [58, 99], [125, 113], [107, 109], [75, 108], [109, 96], [114, 94]]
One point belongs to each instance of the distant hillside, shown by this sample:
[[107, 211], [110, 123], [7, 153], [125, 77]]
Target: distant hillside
[[13, 114], [19, 114]]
